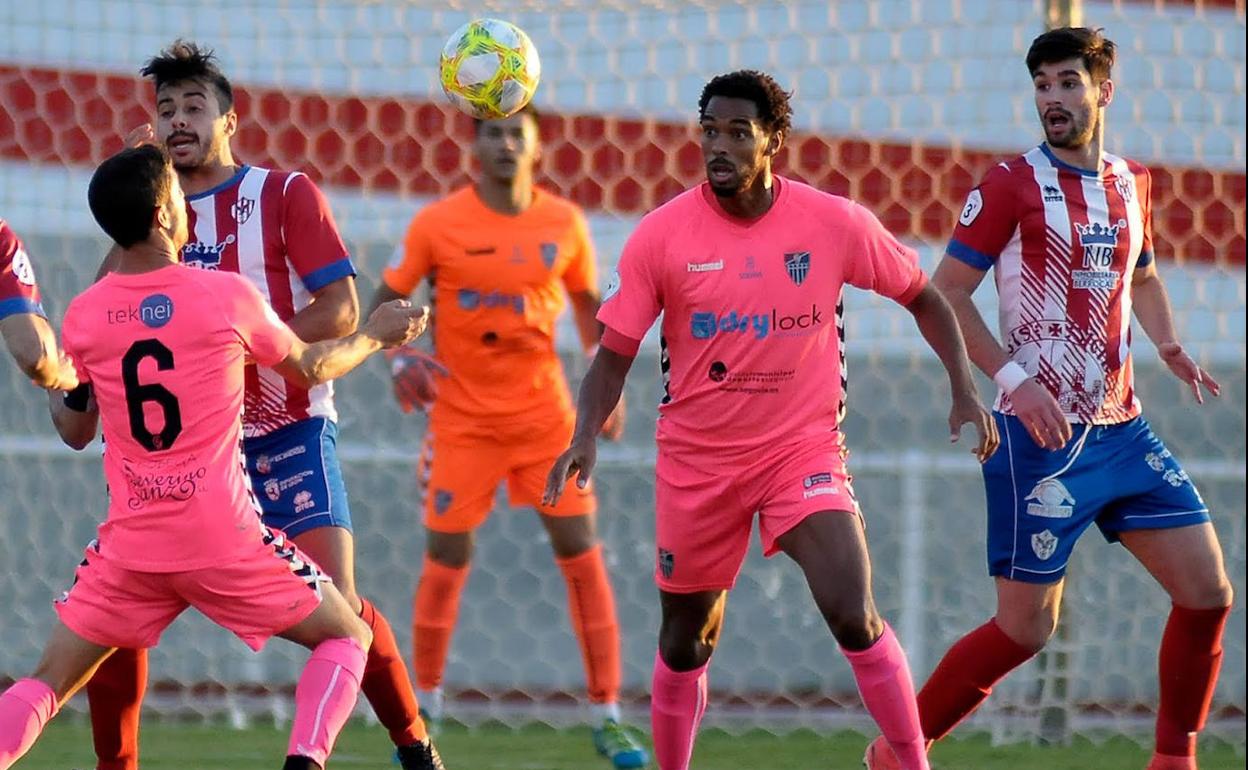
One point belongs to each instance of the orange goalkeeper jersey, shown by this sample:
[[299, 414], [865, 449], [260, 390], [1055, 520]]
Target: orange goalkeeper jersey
[[498, 286]]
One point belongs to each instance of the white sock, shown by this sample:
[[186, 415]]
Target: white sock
[[432, 701], [601, 712]]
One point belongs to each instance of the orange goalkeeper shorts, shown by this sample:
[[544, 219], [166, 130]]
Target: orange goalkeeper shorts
[[458, 476]]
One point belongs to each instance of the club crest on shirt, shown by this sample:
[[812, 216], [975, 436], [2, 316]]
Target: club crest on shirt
[[550, 252], [797, 265], [1125, 187], [241, 209], [22, 268]]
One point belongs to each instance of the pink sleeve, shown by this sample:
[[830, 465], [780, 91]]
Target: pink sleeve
[[313, 244], [987, 221], [265, 336], [878, 262], [633, 298], [19, 293]]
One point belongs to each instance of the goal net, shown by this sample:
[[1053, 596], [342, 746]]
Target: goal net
[[900, 104]]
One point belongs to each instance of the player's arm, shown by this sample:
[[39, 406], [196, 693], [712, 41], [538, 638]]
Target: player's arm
[[392, 324], [75, 415], [32, 343], [599, 394], [1033, 403], [333, 312], [939, 326], [585, 306], [1152, 309]]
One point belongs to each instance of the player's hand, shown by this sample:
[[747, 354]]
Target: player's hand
[[414, 373], [66, 375], [140, 136], [396, 323], [579, 459], [613, 428], [1188, 370], [968, 408], [1043, 418]]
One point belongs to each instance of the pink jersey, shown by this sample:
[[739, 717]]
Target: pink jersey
[[752, 344], [18, 291], [164, 352], [1064, 243], [275, 228]]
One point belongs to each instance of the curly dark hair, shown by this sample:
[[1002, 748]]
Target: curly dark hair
[[1097, 51], [774, 110], [185, 60]]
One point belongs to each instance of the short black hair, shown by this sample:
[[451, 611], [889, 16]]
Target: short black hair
[[529, 108], [1097, 51], [127, 189], [185, 60], [774, 110]]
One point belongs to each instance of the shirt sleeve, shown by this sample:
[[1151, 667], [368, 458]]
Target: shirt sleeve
[[878, 262], [412, 259], [313, 244], [265, 336], [1145, 191], [987, 221], [19, 292], [581, 273], [634, 298]]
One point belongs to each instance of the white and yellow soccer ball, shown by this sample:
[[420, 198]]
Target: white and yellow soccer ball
[[489, 69]]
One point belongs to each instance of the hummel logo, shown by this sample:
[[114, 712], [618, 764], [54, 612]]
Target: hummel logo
[[706, 267]]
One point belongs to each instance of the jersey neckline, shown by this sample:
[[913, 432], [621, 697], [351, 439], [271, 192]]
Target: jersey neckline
[[238, 175], [779, 183], [1056, 161]]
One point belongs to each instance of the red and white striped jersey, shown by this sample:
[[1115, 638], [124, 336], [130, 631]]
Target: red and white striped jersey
[[1064, 243], [276, 229]]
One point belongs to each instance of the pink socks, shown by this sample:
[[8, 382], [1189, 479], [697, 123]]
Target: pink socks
[[888, 693], [24, 710], [677, 703], [325, 697]]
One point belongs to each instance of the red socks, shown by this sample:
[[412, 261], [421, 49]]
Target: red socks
[[386, 683], [115, 695], [966, 676], [1191, 654]]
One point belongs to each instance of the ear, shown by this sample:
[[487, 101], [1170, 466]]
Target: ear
[[775, 143], [231, 122], [1106, 94], [163, 218]]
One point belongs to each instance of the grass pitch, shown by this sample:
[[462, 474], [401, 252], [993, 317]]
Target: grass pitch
[[170, 746]]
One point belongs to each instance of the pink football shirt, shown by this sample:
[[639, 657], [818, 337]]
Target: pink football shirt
[[165, 352], [753, 342]]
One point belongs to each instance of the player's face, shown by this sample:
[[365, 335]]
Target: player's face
[[1068, 102], [735, 146], [190, 124], [508, 146]]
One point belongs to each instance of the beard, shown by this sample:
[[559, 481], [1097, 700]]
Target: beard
[[1079, 131]]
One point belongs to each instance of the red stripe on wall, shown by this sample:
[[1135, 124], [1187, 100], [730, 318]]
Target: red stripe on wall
[[615, 165]]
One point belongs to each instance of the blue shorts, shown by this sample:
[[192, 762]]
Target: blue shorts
[[1039, 502], [296, 477]]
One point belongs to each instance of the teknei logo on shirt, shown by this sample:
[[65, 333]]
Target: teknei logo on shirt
[[155, 311]]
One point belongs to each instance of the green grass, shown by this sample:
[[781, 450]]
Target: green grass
[[166, 746]]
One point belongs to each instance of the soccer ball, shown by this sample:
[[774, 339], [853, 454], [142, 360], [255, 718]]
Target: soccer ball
[[489, 69]]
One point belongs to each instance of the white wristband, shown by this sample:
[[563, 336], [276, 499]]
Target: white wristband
[[1009, 377]]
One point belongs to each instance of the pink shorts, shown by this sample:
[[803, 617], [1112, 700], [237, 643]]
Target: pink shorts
[[705, 507], [256, 597]]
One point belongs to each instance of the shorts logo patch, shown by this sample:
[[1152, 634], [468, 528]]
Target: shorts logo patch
[[441, 501], [817, 478], [263, 465], [1175, 478], [273, 489], [667, 563], [303, 501], [817, 484], [1044, 544], [1052, 500]]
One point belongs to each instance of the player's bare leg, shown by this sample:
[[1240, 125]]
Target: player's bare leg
[[330, 683], [385, 683], [831, 549], [25, 708], [591, 603], [690, 629], [1187, 562]]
